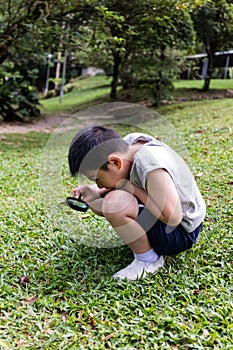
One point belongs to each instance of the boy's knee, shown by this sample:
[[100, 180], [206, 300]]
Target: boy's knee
[[119, 203]]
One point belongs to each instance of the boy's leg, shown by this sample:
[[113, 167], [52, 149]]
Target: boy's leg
[[165, 239], [121, 209]]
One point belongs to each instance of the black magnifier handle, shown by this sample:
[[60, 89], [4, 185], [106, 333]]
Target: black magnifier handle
[[77, 204]]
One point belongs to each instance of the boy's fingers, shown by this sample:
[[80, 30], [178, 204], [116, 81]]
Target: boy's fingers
[[76, 193]]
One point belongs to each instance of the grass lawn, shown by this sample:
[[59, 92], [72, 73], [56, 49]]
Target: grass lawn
[[85, 90], [198, 84], [192, 89], [58, 294], [94, 90]]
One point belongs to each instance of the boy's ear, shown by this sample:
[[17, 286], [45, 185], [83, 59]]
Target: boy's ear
[[115, 160]]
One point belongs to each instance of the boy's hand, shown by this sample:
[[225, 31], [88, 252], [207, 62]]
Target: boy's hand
[[87, 193], [92, 195]]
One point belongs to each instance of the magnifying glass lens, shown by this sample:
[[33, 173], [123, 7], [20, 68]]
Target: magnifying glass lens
[[77, 204]]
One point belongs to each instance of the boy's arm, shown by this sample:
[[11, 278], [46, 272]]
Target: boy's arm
[[161, 198], [103, 191]]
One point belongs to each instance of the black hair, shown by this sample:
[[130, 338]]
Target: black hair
[[90, 148]]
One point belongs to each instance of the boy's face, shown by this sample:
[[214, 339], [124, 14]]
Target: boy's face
[[109, 178], [103, 178]]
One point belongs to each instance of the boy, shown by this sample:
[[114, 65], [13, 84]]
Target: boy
[[144, 189]]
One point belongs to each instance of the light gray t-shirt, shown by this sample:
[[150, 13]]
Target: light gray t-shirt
[[155, 154]]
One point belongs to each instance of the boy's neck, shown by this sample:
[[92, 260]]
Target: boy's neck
[[129, 157], [133, 149]]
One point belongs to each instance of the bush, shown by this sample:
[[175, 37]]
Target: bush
[[18, 101], [155, 73]]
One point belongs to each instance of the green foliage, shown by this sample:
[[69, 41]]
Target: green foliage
[[124, 38], [213, 23], [129, 41], [17, 18], [29, 31], [18, 101], [58, 294], [154, 72]]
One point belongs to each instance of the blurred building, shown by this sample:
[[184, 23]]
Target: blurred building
[[197, 66]]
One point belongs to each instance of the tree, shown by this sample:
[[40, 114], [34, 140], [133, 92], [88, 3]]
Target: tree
[[18, 17], [126, 36], [213, 23], [153, 62], [16, 20], [29, 31]]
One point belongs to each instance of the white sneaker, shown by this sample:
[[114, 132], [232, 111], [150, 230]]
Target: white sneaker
[[139, 269]]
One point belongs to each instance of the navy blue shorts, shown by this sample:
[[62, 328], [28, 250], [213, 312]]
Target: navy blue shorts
[[166, 240]]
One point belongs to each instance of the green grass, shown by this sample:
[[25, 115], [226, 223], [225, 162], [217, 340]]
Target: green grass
[[86, 91], [186, 90], [95, 90], [218, 84], [70, 301]]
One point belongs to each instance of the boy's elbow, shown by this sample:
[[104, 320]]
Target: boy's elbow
[[175, 221], [174, 217]]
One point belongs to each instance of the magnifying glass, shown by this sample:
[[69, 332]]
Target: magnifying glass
[[77, 204]]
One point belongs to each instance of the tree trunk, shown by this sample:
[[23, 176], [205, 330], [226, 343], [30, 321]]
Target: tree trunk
[[114, 83], [209, 71]]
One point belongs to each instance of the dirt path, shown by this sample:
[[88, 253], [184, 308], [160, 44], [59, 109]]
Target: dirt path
[[47, 123]]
